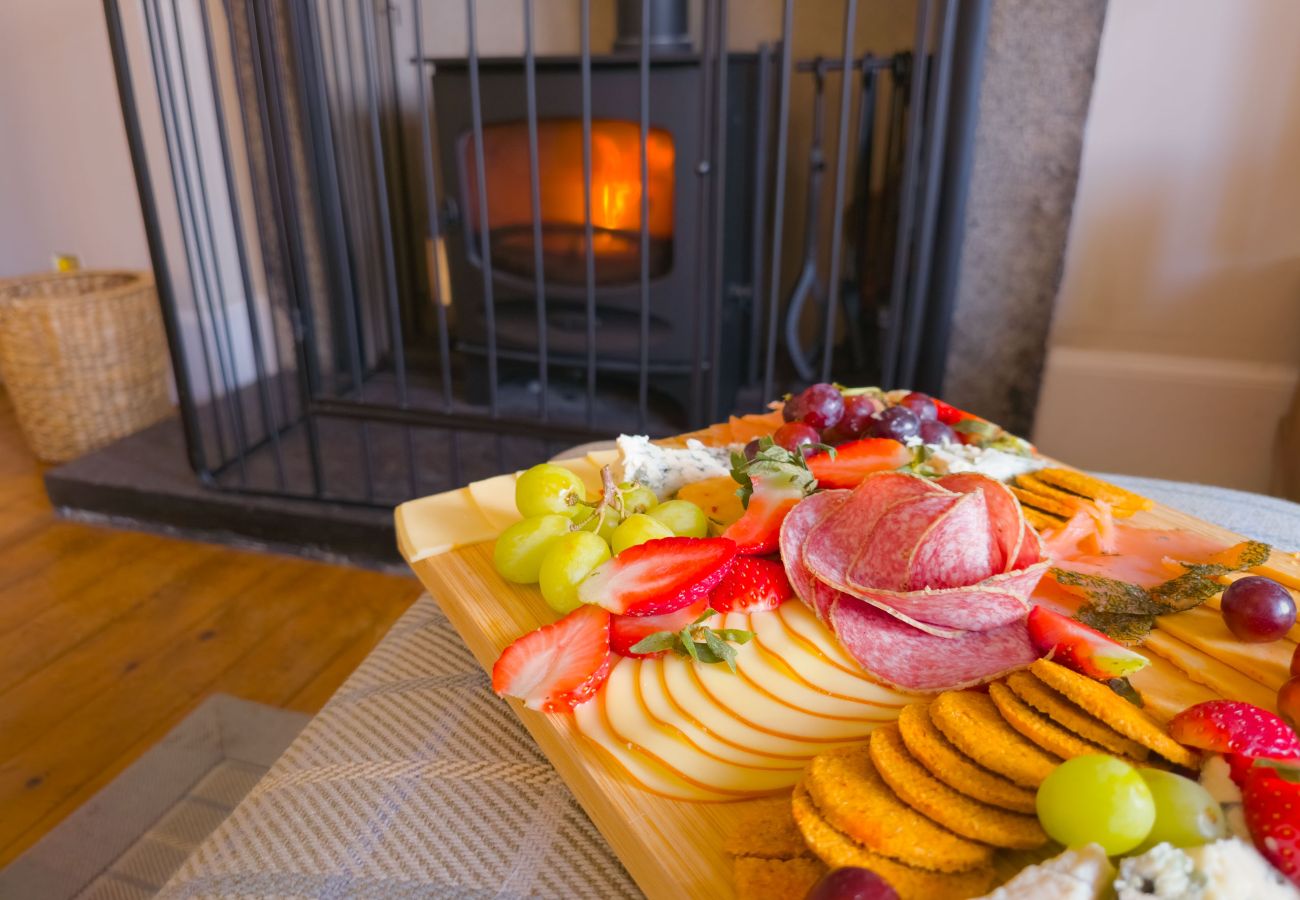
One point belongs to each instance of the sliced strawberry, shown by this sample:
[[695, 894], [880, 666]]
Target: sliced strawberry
[[659, 576], [1233, 727], [1078, 647], [752, 585], [856, 460], [948, 414], [558, 666], [626, 631], [1271, 802], [758, 531]]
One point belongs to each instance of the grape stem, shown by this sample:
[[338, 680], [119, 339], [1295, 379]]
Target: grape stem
[[611, 498]]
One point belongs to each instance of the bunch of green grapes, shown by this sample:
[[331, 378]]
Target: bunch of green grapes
[[564, 536]]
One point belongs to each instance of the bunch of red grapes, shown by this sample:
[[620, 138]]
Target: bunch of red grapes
[[820, 414]]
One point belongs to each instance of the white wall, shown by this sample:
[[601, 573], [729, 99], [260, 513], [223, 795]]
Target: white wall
[[1177, 335], [65, 175]]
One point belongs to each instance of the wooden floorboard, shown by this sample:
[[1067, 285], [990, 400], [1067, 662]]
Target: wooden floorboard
[[109, 638]]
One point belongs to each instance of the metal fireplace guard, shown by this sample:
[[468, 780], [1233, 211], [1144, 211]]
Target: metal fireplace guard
[[356, 315]]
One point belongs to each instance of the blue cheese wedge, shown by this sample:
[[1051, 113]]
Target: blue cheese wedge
[[1081, 874], [1228, 869], [665, 470]]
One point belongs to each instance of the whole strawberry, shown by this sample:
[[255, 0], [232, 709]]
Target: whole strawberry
[[1271, 801]]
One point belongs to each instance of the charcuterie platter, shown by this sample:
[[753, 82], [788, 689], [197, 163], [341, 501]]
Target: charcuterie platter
[[870, 639]]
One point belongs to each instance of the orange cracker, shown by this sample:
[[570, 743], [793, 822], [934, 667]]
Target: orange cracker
[[1076, 482], [837, 849], [1114, 710], [766, 830], [973, 724], [1042, 503], [1071, 717], [928, 746], [854, 799], [775, 879], [951, 809], [1041, 521], [1039, 728]]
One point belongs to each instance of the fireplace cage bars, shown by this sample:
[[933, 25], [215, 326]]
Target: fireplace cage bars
[[299, 237]]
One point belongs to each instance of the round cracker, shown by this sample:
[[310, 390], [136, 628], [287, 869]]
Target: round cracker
[[837, 849], [931, 749], [759, 879], [1051, 704], [975, 727], [852, 797], [1114, 710], [951, 809], [1038, 728]]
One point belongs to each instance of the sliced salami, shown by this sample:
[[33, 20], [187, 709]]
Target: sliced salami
[[902, 657], [938, 541], [1031, 549], [990, 604], [1006, 523], [794, 531], [831, 545]]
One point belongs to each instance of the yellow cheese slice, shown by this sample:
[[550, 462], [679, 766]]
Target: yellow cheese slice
[[762, 710], [1203, 669], [774, 638], [772, 675], [632, 725], [801, 621], [1203, 628], [660, 706], [432, 525], [690, 697], [1165, 690], [602, 458], [592, 724], [495, 500]]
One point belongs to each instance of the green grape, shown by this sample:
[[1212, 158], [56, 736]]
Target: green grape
[[1096, 799], [546, 489], [520, 549], [592, 520], [1186, 814], [569, 560], [637, 529], [637, 498], [683, 517]]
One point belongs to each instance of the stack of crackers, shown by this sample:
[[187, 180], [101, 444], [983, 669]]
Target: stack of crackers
[[941, 803], [1049, 497]]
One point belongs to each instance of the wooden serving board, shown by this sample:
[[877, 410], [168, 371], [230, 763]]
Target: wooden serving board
[[674, 848]]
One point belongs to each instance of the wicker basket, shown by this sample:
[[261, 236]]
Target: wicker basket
[[83, 357]]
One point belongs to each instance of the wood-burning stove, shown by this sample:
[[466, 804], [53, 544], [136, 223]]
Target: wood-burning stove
[[678, 242]]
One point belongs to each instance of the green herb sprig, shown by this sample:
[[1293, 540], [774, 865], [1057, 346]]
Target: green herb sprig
[[698, 642]]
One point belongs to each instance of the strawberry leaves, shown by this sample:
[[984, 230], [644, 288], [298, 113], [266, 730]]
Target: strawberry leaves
[[775, 467], [698, 642]]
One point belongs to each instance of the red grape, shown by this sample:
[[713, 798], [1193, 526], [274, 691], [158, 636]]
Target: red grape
[[853, 883], [935, 432], [1288, 703], [1257, 609], [897, 422], [793, 409], [793, 435], [751, 449], [922, 405], [822, 406], [858, 411]]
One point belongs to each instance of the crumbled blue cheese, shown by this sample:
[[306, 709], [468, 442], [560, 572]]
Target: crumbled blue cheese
[[1217, 780], [946, 459], [1081, 874], [665, 470], [1228, 869]]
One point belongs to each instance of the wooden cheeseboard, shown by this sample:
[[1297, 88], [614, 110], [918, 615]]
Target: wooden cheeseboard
[[674, 848]]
